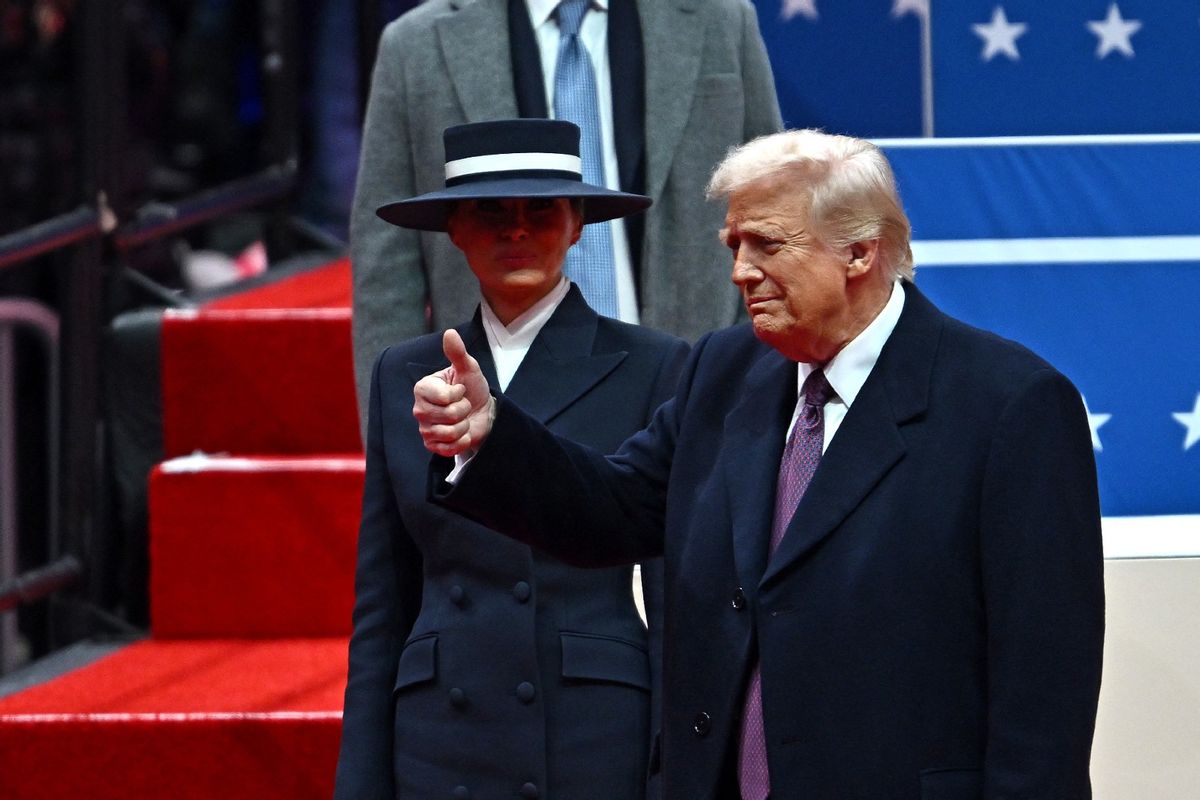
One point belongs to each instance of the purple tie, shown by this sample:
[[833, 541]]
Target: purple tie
[[801, 455]]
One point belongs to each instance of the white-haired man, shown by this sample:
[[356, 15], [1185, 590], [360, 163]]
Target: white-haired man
[[880, 526]]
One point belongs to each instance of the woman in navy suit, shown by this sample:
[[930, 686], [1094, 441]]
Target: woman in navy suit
[[480, 668]]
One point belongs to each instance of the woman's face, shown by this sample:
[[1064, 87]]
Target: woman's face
[[515, 247]]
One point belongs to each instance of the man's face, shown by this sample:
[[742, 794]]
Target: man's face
[[515, 246], [796, 289]]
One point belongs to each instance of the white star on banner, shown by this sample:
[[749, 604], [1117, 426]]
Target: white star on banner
[[1095, 421], [1191, 421], [918, 7], [1113, 32], [803, 8], [1000, 36]]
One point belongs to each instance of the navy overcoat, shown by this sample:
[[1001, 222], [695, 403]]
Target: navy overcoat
[[480, 668], [930, 626]]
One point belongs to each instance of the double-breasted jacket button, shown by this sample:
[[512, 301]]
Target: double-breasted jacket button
[[461, 793], [702, 724], [530, 791], [458, 698], [522, 592], [739, 599], [457, 595], [525, 692]]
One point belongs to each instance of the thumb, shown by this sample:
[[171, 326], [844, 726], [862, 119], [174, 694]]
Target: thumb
[[456, 351]]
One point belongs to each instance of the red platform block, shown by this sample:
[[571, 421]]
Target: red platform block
[[234, 720], [253, 547], [258, 381]]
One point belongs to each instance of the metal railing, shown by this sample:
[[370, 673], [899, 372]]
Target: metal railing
[[85, 251], [43, 322]]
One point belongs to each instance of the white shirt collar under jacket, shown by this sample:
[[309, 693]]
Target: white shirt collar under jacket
[[850, 368], [510, 344]]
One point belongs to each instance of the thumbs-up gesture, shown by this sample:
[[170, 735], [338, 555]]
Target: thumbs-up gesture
[[454, 408]]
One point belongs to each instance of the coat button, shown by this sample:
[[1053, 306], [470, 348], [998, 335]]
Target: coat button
[[458, 698], [702, 724], [457, 595], [739, 599], [522, 592], [530, 791], [525, 692], [461, 793]]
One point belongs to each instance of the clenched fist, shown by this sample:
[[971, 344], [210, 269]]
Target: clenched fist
[[454, 408]]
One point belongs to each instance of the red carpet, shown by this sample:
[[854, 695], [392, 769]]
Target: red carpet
[[238, 692], [260, 381], [324, 287], [253, 546], [181, 720]]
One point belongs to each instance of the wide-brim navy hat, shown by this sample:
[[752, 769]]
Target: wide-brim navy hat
[[511, 158]]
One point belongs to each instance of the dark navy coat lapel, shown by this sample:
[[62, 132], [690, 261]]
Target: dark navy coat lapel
[[476, 342], [868, 443], [751, 447], [560, 366]]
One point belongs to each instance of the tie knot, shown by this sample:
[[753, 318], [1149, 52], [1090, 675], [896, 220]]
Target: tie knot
[[816, 390], [570, 16]]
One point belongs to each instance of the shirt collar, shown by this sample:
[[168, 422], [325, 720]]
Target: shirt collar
[[524, 329], [850, 368], [541, 10]]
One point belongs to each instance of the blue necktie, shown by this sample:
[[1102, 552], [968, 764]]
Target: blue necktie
[[590, 262]]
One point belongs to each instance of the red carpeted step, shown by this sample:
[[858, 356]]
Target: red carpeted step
[[253, 547], [258, 381], [185, 720], [327, 286]]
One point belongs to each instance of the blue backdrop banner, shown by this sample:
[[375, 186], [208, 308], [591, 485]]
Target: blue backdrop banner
[[1087, 251], [986, 67]]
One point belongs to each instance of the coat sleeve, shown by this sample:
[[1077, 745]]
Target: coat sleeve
[[653, 590], [581, 507], [1042, 567], [390, 289], [387, 599]]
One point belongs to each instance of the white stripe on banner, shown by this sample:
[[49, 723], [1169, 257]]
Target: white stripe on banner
[[1099, 250], [503, 162], [1051, 141]]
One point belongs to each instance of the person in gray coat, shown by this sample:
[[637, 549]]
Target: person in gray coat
[[689, 78], [480, 668]]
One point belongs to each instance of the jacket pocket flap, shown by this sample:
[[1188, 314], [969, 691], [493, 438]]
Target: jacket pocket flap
[[418, 662], [951, 784], [603, 658]]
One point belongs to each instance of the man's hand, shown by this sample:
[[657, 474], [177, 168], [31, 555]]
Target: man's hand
[[454, 408]]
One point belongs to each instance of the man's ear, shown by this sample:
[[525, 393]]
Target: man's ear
[[863, 257]]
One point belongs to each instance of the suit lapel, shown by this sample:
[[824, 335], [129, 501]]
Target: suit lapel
[[750, 450], [560, 366], [674, 30], [868, 442], [477, 33]]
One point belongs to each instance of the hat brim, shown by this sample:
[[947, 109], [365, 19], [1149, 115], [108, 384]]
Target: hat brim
[[427, 212]]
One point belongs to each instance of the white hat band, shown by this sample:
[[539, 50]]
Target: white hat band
[[510, 162]]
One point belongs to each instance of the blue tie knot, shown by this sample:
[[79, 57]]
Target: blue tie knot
[[570, 16]]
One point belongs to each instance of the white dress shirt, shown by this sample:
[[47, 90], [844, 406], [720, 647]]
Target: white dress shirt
[[850, 368], [593, 32]]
